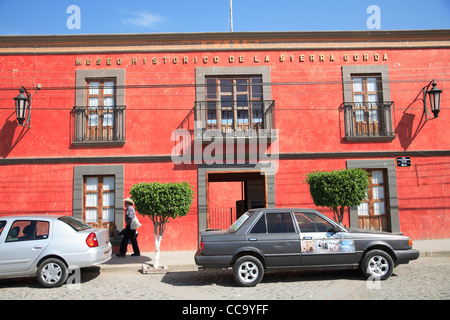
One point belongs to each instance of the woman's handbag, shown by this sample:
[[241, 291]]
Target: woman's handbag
[[135, 224]]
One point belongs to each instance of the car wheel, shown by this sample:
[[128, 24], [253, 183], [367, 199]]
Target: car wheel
[[52, 273], [377, 264], [248, 271]]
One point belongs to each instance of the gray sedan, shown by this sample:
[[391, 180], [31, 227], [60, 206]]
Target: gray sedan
[[299, 239], [49, 247]]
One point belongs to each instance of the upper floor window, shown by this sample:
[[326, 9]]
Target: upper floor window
[[367, 105], [99, 114], [233, 101], [100, 111]]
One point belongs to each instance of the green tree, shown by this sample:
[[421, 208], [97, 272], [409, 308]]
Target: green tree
[[338, 189], [162, 202]]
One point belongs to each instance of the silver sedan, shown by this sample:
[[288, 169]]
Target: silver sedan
[[49, 247]]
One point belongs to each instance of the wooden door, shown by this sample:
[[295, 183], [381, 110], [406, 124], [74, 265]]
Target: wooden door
[[98, 202], [373, 213]]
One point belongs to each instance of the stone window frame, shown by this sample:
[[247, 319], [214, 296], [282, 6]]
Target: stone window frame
[[81, 76], [390, 167], [79, 172], [383, 72]]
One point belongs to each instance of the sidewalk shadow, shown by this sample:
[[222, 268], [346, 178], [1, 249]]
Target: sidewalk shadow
[[128, 260]]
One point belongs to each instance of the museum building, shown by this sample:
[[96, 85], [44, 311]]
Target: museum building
[[241, 116]]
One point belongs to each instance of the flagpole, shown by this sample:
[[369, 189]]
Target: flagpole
[[231, 15]]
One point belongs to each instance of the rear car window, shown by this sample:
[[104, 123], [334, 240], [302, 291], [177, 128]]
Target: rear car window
[[76, 224], [237, 224]]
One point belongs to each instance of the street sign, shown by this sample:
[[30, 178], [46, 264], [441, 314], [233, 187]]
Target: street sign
[[403, 162]]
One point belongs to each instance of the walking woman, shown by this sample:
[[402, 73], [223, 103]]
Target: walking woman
[[128, 233]]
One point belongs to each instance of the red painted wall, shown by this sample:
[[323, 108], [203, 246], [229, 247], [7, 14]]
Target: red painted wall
[[308, 95]]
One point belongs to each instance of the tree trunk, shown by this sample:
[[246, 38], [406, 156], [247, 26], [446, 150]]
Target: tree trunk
[[158, 227]]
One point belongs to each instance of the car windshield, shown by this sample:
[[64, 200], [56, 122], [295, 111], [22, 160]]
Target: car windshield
[[77, 224], [237, 224]]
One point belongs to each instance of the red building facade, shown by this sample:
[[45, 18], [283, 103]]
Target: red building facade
[[241, 116]]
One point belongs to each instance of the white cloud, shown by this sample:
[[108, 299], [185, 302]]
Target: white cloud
[[142, 19]]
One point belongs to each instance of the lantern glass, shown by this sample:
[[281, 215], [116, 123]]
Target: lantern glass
[[22, 106], [435, 99]]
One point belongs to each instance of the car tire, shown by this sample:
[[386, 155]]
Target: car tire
[[248, 271], [52, 273], [377, 264]]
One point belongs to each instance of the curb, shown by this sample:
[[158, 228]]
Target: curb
[[146, 268]]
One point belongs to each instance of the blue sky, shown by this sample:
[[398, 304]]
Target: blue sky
[[148, 16]]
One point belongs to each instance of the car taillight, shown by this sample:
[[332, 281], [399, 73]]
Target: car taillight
[[202, 246], [91, 240], [410, 242]]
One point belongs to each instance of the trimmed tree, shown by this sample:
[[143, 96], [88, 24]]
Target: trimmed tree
[[161, 202], [338, 189]]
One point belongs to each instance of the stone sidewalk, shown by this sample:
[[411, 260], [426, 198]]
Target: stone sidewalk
[[184, 260]]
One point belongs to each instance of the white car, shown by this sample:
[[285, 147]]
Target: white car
[[49, 247]]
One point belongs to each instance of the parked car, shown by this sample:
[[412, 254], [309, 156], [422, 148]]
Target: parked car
[[299, 239], [49, 247]]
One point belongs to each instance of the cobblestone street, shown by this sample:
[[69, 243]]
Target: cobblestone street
[[426, 278]]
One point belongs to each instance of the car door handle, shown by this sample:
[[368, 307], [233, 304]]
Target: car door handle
[[252, 239], [307, 238], [37, 247]]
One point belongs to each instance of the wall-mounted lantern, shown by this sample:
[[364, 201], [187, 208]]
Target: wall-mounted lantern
[[435, 98], [23, 107]]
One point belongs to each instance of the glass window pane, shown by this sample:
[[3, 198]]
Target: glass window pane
[[241, 85], [108, 119], [363, 209], [108, 88], [92, 184], [257, 87], [371, 84], [279, 222], [91, 215], [260, 226], [91, 200], [373, 115], [93, 120], [377, 176], [211, 88], [108, 101], [226, 101], [358, 99], [242, 101], [378, 192], [357, 84], [108, 215], [94, 88], [108, 199], [378, 208], [93, 102], [108, 183], [226, 85]]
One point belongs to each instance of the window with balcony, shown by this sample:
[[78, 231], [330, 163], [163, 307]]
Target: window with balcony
[[367, 106], [233, 101], [99, 115]]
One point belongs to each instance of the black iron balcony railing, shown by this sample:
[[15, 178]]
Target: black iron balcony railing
[[371, 120], [248, 118], [99, 124]]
